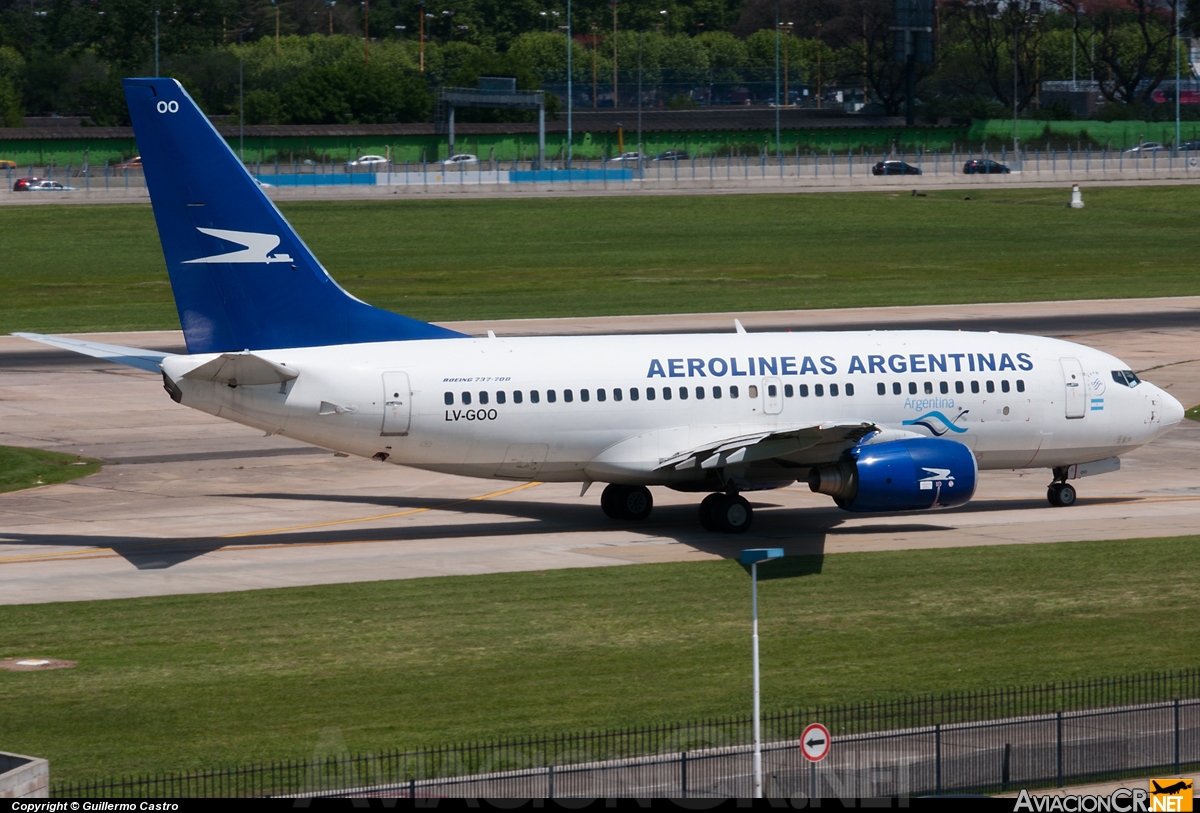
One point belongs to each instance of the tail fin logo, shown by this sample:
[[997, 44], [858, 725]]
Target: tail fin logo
[[257, 248]]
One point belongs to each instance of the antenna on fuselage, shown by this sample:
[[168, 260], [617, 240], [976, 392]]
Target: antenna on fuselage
[[737, 323]]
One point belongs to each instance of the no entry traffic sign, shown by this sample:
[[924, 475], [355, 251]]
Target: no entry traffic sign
[[814, 742]]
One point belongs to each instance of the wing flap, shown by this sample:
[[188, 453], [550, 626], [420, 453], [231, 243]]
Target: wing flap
[[759, 446]]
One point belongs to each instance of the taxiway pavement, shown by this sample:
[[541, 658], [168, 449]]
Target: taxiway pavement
[[188, 503]]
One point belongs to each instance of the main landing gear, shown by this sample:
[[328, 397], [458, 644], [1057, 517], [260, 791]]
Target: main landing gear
[[1060, 493], [730, 513], [626, 502]]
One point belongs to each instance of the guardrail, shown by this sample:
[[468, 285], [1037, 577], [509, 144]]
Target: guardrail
[[980, 741]]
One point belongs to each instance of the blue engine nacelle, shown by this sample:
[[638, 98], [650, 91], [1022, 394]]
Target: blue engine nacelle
[[899, 475]]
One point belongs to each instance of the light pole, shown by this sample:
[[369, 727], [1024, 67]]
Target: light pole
[[639, 104], [819, 41], [156, 73], [614, 5], [752, 556], [330, 4], [787, 28], [570, 95], [1176, 151], [777, 141], [242, 98], [366, 32], [275, 3], [595, 48], [422, 17]]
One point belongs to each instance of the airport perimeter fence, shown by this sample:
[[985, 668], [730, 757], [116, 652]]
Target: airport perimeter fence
[[798, 168], [985, 741]]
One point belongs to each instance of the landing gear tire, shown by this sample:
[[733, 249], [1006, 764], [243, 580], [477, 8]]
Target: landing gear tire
[[626, 502], [708, 508], [733, 514], [1061, 495]]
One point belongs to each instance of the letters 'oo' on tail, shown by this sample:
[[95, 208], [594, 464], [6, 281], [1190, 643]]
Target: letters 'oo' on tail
[[242, 278]]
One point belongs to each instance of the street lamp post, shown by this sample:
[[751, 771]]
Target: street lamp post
[[595, 48], [752, 556], [366, 32], [614, 5], [156, 73], [1176, 77], [242, 98], [570, 94], [787, 29], [421, 17], [330, 4], [275, 3], [777, 153]]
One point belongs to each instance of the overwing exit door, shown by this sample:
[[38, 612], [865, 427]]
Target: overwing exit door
[[397, 407]]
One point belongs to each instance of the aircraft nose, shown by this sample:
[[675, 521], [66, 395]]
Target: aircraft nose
[[1172, 410]]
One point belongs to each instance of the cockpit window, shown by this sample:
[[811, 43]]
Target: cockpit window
[[1125, 378]]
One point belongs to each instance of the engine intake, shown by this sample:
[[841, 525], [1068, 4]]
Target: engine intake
[[900, 475]]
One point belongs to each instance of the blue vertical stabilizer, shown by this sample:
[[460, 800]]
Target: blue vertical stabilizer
[[243, 279]]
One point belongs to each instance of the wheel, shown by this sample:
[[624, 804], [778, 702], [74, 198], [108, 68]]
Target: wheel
[[707, 506], [636, 503], [1061, 495], [733, 514], [610, 500]]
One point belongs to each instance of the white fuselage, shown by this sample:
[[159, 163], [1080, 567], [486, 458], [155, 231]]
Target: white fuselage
[[452, 405]]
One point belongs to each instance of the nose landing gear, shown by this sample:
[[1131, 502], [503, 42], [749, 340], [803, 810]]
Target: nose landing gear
[[730, 513]]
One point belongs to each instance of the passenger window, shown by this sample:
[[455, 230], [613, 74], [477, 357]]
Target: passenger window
[[733, 391], [833, 390], [683, 393], [788, 391], [912, 387], [534, 397], [881, 388], [699, 393], [943, 388], [1004, 385], [500, 397], [803, 390], [991, 386], [958, 387], [601, 395], [974, 386], [1020, 385], [483, 397], [584, 395], [896, 388], [551, 396], [650, 393], [929, 388], [818, 390], [849, 389], [716, 392], [752, 391], [568, 396], [517, 396], [633, 393], [466, 397], [666, 393], [449, 399]]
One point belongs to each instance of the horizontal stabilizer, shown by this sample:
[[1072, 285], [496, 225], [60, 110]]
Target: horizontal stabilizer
[[241, 369], [148, 360]]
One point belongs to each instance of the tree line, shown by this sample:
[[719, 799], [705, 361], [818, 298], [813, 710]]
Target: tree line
[[350, 61]]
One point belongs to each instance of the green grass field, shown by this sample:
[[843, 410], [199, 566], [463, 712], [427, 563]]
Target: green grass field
[[198, 681], [24, 468], [80, 268]]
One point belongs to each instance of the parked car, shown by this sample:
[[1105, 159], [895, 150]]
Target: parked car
[[631, 157], [1148, 146], [6, 164], [672, 155], [894, 168], [1190, 145], [48, 186], [985, 166], [367, 161], [461, 158], [22, 184], [132, 163]]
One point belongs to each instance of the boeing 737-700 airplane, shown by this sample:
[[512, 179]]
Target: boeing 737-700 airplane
[[878, 420]]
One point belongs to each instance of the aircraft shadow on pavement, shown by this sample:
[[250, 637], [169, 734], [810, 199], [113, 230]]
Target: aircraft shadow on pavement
[[801, 532]]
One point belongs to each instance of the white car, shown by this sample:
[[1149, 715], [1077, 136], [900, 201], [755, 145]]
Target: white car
[[1148, 146], [461, 158], [630, 157], [367, 161], [49, 186]]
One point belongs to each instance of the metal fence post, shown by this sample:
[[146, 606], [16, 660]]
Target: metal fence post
[[683, 759], [1058, 720], [550, 781], [412, 788], [937, 759], [1177, 736]]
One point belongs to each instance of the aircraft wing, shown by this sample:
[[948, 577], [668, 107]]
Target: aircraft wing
[[148, 360], [776, 443]]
